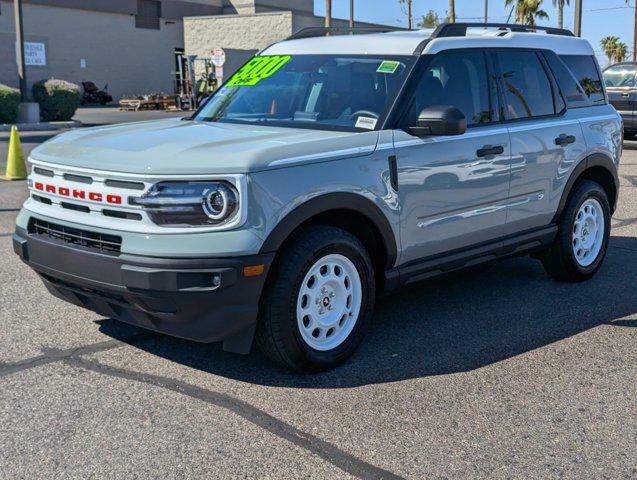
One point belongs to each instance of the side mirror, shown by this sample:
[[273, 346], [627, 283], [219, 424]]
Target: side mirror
[[440, 120]]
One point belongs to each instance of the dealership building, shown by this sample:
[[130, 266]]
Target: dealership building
[[136, 46]]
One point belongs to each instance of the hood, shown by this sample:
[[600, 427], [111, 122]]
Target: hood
[[179, 147]]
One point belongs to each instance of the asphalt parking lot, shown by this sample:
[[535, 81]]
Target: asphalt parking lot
[[497, 372]]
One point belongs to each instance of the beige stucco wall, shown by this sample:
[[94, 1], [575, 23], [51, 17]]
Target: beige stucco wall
[[201, 34], [129, 59], [241, 36]]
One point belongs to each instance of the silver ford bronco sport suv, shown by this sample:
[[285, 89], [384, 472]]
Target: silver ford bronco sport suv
[[329, 169]]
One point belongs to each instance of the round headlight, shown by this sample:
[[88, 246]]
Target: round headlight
[[190, 203], [219, 202]]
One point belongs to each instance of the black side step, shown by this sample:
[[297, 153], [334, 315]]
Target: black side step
[[448, 262]]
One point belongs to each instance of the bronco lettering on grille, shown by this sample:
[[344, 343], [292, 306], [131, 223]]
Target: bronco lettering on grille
[[66, 192]]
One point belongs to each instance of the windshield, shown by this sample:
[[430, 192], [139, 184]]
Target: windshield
[[620, 76], [315, 91]]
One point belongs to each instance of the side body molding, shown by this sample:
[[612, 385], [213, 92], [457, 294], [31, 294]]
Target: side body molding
[[594, 160], [334, 201]]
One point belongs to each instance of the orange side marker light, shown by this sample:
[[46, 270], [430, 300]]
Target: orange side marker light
[[253, 270]]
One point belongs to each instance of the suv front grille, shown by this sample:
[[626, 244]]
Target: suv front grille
[[110, 244]]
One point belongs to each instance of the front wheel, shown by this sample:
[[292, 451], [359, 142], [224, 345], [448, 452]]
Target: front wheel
[[319, 301], [583, 232]]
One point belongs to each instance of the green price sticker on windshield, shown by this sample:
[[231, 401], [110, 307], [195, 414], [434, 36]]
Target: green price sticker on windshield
[[257, 69], [388, 67]]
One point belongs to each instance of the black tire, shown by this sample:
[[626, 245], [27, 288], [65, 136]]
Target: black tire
[[278, 333], [560, 261]]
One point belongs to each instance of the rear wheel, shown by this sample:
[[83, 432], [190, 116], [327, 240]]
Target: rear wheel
[[319, 301], [583, 232]]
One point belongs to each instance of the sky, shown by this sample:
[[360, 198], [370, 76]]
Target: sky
[[600, 19]]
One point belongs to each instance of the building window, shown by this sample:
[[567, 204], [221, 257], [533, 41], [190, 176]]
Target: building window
[[148, 14]]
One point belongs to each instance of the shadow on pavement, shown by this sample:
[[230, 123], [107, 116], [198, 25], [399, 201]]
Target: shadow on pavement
[[452, 324]]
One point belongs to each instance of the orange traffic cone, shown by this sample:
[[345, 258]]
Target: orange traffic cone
[[16, 169]]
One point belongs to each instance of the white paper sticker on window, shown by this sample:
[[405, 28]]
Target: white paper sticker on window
[[366, 122]]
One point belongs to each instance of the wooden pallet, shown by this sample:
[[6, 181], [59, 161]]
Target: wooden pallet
[[155, 104]]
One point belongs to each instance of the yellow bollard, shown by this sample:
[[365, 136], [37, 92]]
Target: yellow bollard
[[16, 169]]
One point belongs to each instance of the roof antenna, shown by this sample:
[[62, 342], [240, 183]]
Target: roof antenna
[[510, 13]]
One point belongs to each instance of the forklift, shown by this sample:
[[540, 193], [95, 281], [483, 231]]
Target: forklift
[[189, 92]]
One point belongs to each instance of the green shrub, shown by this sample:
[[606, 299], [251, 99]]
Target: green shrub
[[58, 99], [9, 102]]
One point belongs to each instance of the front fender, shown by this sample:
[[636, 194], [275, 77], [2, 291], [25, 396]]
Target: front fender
[[334, 201], [285, 198]]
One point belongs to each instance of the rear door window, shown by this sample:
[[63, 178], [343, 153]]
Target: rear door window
[[527, 88], [585, 70]]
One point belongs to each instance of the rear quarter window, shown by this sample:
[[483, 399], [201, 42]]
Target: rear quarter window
[[584, 69], [570, 89]]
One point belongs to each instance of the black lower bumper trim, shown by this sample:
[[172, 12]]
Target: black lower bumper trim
[[205, 300]]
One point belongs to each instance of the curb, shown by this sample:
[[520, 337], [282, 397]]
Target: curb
[[42, 126]]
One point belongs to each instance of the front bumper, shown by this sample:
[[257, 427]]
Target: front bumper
[[630, 121], [173, 296]]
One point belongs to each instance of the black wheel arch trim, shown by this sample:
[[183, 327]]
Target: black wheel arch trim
[[334, 201], [594, 160]]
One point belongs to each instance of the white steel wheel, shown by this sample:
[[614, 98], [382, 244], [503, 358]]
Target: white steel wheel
[[329, 302], [588, 232]]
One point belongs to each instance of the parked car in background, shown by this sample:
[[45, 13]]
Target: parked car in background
[[619, 80]]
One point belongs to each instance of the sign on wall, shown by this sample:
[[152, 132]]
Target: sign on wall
[[34, 54], [218, 57]]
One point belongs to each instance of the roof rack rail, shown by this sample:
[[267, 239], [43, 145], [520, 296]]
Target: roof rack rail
[[325, 31], [460, 29]]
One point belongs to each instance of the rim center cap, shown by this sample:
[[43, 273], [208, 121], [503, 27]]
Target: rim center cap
[[326, 301]]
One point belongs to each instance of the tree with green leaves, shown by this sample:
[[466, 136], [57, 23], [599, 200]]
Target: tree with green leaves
[[560, 11], [609, 45], [527, 11], [430, 20]]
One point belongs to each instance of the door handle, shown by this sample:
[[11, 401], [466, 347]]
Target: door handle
[[625, 95], [488, 150], [564, 140]]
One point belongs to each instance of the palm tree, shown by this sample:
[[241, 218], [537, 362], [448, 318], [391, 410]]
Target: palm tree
[[452, 11], [560, 10], [621, 52], [609, 45], [635, 33], [409, 16], [527, 11], [328, 13]]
